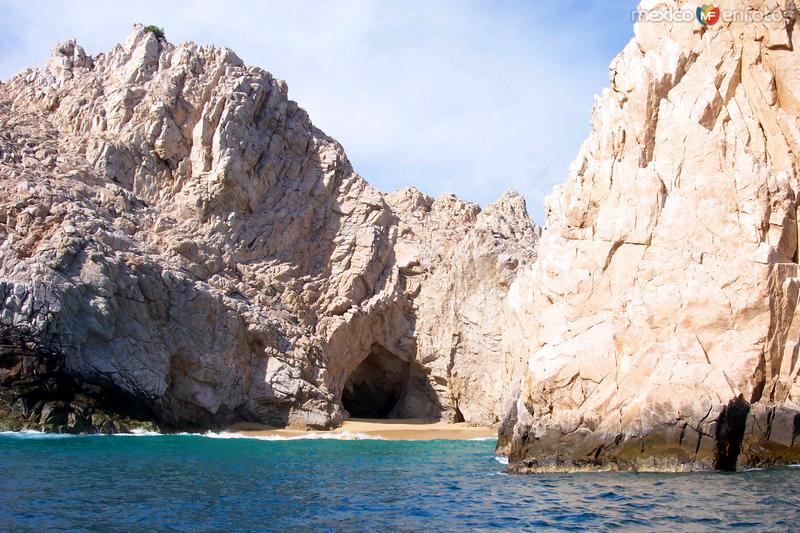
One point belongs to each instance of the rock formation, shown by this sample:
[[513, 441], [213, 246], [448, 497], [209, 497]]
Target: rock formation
[[179, 244], [662, 319]]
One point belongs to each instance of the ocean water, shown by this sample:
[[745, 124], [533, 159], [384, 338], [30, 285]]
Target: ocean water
[[197, 483]]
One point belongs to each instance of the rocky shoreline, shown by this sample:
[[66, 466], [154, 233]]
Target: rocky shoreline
[[37, 393], [741, 436]]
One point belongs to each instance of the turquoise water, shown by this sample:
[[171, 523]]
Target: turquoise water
[[195, 483]]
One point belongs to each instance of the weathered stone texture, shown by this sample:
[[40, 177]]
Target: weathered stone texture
[[185, 237]]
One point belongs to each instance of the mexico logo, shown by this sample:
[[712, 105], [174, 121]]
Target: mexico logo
[[707, 15]]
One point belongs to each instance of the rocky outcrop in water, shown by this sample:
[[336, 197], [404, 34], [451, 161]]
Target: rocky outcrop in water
[[662, 314], [176, 236]]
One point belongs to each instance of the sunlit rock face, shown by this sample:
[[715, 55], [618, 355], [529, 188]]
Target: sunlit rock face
[[179, 243], [661, 317]]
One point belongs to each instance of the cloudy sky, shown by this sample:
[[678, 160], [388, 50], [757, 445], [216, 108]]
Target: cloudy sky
[[449, 96]]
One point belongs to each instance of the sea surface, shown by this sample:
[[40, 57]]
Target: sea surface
[[201, 483]]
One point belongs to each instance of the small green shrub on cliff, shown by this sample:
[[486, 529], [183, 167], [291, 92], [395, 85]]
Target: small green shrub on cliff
[[155, 30]]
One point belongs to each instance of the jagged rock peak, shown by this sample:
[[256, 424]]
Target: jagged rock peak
[[179, 237]]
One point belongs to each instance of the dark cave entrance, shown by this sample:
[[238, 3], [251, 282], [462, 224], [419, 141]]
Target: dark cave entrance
[[386, 386]]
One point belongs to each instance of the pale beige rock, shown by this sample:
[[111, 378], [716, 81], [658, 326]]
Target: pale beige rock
[[667, 284], [180, 230], [458, 264]]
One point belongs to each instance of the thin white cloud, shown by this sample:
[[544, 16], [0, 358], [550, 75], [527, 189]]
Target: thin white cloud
[[471, 98]]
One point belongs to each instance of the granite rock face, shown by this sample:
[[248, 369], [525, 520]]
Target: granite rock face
[[662, 319], [176, 235], [458, 265]]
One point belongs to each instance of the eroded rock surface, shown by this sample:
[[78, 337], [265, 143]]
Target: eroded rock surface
[[662, 313], [176, 235]]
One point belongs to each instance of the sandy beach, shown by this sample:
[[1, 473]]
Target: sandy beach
[[401, 429]]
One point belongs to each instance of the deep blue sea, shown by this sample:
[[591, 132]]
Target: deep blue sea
[[197, 483]]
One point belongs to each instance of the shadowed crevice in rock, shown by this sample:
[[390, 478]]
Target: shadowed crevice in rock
[[386, 386], [730, 432], [795, 428]]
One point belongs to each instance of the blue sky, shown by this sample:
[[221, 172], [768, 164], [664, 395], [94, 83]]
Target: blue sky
[[449, 96]]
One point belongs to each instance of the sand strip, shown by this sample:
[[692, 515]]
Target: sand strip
[[401, 429]]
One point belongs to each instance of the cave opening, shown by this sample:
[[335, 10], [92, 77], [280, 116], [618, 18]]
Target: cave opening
[[387, 386]]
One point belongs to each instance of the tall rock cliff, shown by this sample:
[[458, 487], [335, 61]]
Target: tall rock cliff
[[662, 314], [179, 244]]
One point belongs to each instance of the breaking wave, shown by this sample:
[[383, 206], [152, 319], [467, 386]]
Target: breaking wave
[[34, 434], [316, 435]]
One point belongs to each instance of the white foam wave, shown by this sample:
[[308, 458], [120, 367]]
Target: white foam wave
[[482, 438], [316, 435], [501, 459], [138, 432], [34, 434]]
